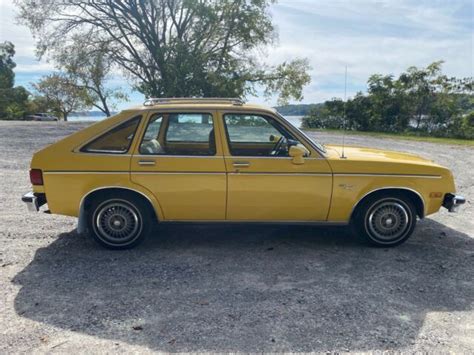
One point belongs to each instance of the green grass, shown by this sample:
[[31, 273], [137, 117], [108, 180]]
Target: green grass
[[465, 142]]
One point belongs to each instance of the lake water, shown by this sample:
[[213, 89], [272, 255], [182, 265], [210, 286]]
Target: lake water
[[294, 120], [85, 118]]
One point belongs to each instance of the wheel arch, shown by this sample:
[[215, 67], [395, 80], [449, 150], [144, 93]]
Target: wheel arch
[[413, 195], [82, 222]]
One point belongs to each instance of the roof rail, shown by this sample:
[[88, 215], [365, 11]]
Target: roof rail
[[193, 100]]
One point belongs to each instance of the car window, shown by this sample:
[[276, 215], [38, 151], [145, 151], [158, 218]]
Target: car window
[[153, 128], [249, 128], [256, 135], [189, 127], [115, 141], [184, 134], [150, 142]]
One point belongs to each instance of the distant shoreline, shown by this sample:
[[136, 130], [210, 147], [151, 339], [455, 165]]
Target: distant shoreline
[[294, 120]]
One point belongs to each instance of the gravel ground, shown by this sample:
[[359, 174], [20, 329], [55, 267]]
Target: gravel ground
[[231, 288]]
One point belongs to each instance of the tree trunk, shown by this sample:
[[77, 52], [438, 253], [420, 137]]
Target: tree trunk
[[105, 107]]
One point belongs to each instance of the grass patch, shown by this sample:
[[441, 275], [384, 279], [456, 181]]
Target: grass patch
[[455, 141]]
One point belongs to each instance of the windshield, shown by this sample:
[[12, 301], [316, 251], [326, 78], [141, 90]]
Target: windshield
[[318, 146]]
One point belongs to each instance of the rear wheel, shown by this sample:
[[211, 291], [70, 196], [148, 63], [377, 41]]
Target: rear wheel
[[119, 222], [384, 220]]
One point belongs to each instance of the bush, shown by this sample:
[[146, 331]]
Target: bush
[[329, 116], [461, 126], [323, 122]]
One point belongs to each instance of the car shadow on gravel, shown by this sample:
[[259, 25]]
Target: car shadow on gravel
[[250, 288]]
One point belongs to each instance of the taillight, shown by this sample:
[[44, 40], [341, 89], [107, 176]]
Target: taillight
[[36, 176]]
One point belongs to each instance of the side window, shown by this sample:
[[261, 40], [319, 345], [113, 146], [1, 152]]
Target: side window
[[183, 134], [255, 135], [189, 127], [249, 128], [150, 143], [115, 141]]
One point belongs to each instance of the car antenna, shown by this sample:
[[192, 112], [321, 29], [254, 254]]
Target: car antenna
[[344, 116]]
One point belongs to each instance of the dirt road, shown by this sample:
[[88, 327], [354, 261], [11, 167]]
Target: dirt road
[[238, 288]]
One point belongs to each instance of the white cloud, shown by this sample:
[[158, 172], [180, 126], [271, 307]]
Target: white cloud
[[21, 37], [34, 67], [437, 16], [10, 31], [369, 36]]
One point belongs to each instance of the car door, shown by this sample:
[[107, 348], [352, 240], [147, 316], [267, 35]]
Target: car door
[[179, 159], [264, 185]]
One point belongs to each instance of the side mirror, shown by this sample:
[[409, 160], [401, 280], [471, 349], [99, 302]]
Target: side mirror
[[298, 153]]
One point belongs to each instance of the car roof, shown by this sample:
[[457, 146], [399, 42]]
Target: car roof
[[199, 103]]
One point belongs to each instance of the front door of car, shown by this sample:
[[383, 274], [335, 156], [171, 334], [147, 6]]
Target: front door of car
[[179, 159], [264, 183]]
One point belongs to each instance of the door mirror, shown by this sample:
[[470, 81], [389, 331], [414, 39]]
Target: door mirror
[[297, 152]]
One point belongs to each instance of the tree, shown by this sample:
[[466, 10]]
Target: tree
[[174, 47], [62, 94], [330, 116], [419, 101], [7, 76], [13, 100], [37, 103], [17, 106], [421, 86], [359, 113], [89, 66]]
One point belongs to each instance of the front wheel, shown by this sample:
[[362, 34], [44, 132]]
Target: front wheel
[[385, 221], [118, 223]]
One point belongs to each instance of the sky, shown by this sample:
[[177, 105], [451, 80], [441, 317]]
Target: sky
[[367, 36]]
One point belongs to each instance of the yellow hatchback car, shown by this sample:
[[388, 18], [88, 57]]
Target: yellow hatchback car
[[220, 160]]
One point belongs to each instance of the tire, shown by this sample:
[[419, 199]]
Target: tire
[[119, 222], [385, 220]]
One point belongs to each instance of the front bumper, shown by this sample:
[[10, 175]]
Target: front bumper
[[453, 202], [34, 201]]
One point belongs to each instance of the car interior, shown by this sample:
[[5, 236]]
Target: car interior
[[193, 134], [179, 134]]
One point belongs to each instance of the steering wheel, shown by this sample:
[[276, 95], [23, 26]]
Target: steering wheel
[[276, 150]]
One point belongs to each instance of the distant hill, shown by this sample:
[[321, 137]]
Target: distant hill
[[297, 110]]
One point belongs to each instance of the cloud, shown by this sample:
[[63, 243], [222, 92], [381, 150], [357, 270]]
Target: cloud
[[13, 32], [31, 65], [369, 36]]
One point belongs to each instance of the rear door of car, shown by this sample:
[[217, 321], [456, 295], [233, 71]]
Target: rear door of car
[[179, 159]]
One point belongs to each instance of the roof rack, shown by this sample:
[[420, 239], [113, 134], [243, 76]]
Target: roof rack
[[193, 100]]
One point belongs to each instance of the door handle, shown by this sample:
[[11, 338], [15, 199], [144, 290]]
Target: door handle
[[146, 162], [241, 164]]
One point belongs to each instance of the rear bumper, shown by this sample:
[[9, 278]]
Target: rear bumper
[[34, 201], [452, 202]]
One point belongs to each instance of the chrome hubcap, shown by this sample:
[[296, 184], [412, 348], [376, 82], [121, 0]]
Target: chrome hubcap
[[117, 222], [388, 221]]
